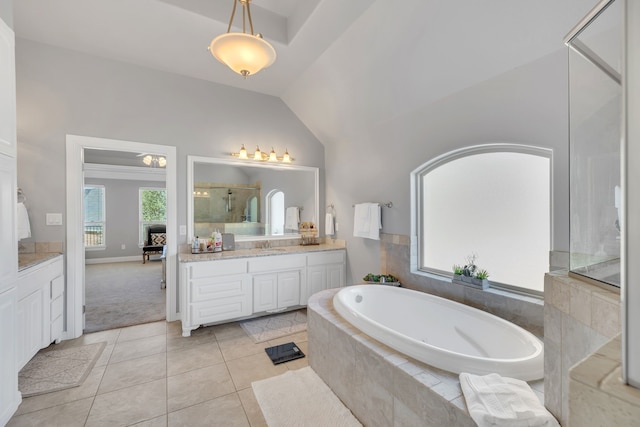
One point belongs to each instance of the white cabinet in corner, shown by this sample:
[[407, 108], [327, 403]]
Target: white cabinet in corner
[[277, 282], [40, 307], [325, 270], [214, 291]]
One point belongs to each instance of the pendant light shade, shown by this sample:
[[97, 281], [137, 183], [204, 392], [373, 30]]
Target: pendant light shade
[[245, 53]]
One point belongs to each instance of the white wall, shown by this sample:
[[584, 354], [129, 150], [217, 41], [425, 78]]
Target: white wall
[[64, 92], [6, 12], [408, 82]]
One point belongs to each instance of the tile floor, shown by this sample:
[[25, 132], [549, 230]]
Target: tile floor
[[149, 375]]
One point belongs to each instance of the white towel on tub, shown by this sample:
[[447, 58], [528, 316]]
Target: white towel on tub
[[23, 227], [497, 401]]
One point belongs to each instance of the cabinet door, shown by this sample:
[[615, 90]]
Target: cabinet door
[[288, 289], [9, 397], [7, 91], [316, 279], [335, 276], [8, 239], [29, 326], [265, 292]]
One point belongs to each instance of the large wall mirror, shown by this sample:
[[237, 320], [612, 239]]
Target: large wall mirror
[[254, 201]]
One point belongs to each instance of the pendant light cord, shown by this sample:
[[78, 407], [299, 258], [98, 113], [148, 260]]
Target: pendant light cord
[[233, 12], [246, 12]]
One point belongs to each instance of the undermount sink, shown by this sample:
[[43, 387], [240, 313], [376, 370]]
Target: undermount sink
[[273, 250]]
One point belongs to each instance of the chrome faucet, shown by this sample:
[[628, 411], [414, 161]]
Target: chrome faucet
[[264, 245]]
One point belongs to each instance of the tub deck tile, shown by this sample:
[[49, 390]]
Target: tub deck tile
[[381, 386]]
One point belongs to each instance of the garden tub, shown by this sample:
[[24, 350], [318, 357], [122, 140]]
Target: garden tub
[[442, 333]]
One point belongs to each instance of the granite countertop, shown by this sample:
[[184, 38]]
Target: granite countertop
[[30, 259], [185, 255]]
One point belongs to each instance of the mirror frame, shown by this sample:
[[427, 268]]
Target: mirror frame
[[192, 160]]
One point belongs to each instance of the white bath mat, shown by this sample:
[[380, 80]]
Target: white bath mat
[[300, 398], [275, 326]]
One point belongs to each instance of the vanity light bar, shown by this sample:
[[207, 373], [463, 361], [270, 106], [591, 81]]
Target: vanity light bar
[[261, 156]]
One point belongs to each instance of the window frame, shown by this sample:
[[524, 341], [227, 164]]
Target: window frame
[[141, 223], [417, 208], [103, 246]]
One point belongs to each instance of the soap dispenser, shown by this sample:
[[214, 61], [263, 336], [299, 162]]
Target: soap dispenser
[[217, 242]]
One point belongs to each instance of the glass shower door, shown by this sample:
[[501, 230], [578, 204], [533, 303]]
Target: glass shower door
[[595, 112]]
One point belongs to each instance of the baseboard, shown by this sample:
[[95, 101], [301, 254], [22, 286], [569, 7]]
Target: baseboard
[[113, 259]]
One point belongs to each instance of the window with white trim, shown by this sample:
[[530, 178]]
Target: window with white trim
[[152, 209], [94, 217], [492, 201]]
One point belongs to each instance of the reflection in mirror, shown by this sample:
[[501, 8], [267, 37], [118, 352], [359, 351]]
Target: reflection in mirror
[[254, 201]]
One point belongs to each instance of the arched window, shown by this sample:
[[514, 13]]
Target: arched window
[[492, 201], [275, 212]]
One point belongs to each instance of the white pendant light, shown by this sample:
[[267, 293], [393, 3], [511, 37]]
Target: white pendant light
[[245, 53]]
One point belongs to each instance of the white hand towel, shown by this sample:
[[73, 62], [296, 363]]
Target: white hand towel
[[22, 222], [292, 218], [367, 221], [496, 401], [328, 225], [376, 221], [361, 220]]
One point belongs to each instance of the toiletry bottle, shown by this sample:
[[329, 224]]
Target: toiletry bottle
[[195, 245], [217, 242]]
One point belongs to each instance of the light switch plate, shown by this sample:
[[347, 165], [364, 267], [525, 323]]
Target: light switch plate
[[183, 230], [54, 219]]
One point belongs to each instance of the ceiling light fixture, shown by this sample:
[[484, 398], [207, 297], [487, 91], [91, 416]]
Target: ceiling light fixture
[[262, 156], [244, 53], [154, 161]]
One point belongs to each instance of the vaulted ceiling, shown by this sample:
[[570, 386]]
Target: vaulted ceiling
[[343, 66], [173, 35]]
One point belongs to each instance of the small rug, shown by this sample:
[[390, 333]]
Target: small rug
[[301, 398], [54, 370], [275, 326]]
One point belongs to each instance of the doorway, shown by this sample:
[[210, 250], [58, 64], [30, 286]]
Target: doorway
[[75, 227], [124, 199]]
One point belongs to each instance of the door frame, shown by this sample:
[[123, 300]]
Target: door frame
[[74, 241]]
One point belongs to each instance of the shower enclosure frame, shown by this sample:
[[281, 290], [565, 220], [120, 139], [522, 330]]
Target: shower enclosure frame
[[631, 195], [630, 176]]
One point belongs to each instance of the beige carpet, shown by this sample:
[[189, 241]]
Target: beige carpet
[[300, 398], [58, 369], [123, 294], [276, 325]]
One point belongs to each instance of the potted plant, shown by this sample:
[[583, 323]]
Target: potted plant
[[385, 279], [470, 275]]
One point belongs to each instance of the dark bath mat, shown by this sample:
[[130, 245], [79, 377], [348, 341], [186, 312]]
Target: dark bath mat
[[284, 353]]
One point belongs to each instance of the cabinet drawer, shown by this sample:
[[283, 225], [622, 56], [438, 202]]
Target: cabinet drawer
[[199, 270], [276, 263], [57, 287], [328, 257], [57, 305], [219, 287], [56, 328], [219, 310]]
